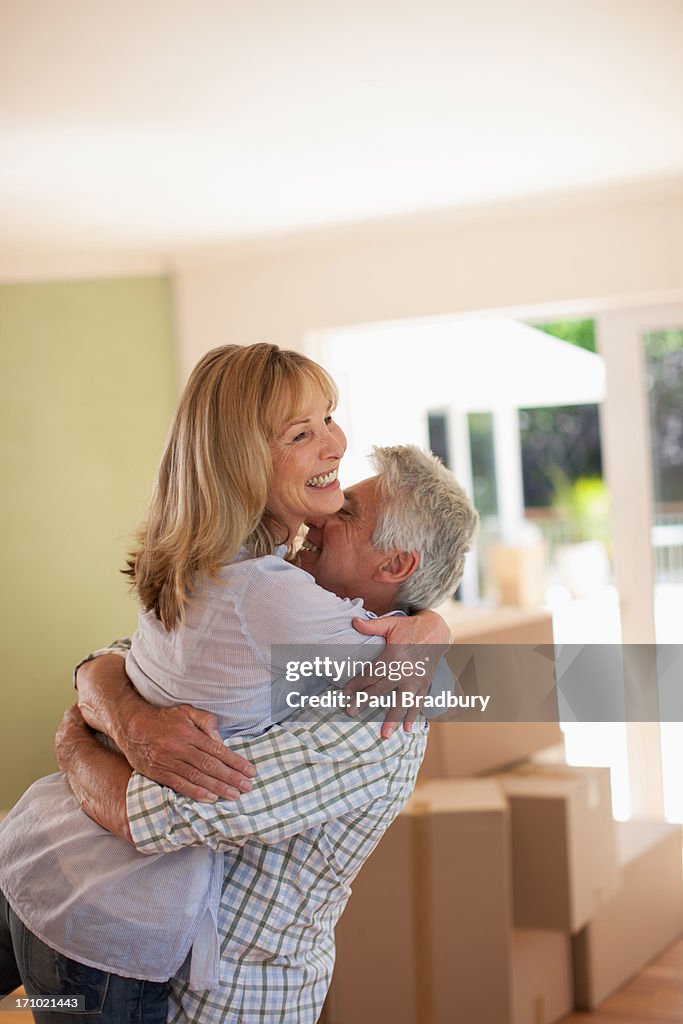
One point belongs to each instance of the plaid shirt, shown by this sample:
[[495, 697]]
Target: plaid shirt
[[325, 792]]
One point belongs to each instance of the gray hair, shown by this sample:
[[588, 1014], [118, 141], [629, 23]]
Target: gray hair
[[423, 508]]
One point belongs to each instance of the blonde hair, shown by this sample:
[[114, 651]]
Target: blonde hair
[[211, 491]]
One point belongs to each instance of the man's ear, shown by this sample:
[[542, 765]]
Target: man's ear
[[397, 567]]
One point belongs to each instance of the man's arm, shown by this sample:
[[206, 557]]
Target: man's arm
[[309, 773], [98, 775], [279, 614], [176, 746]]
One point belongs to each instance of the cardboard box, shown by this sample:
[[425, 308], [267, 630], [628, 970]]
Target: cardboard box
[[564, 856], [426, 937], [478, 624], [462, 749], [542, 982], [508, 654], [640, 920], [519, 573]]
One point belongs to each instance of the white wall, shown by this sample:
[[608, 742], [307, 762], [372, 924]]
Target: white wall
[[585, 250]]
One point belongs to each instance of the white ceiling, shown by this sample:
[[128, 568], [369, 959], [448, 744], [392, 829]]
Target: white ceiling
[[160, 124]]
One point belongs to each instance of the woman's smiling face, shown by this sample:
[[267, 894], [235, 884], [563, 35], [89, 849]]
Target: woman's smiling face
[[306, 452]]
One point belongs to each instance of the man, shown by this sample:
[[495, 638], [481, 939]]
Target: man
[[326, 789]]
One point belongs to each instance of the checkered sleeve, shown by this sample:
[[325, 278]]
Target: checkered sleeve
[[305, 778]]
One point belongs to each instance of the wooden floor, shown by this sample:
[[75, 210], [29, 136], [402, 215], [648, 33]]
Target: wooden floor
[[655, 996]]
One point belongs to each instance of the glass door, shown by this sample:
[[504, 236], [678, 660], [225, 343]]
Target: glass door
[[663, 350]]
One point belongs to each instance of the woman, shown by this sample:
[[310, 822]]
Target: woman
[[253, 451]]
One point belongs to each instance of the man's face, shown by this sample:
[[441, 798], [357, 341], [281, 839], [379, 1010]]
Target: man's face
[[344, 561]]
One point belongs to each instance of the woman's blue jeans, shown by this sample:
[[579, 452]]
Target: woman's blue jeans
[[109, 998]]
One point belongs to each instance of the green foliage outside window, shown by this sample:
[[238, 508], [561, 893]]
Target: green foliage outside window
[[585, 503], [560, 441], [576, 332], [664, 362]]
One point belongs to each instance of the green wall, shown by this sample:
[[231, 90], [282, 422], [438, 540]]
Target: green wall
[[87, 389]]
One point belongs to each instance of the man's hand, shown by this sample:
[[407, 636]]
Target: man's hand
[[405, 636], [178, 746]]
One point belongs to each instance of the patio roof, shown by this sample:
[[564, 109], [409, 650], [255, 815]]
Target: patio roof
[[481, 364]]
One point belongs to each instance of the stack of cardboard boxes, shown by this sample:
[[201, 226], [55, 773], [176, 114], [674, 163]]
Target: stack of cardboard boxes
[[506, 898]]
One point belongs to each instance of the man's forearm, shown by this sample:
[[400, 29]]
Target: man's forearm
[[177, 746], [98, 776], [106, 696]]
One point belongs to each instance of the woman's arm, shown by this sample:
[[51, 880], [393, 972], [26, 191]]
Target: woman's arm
[[177, 746], [409, 639], [283, 608]]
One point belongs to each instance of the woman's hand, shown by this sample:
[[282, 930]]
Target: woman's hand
[[406, 638], [426, 627], [178, 746]]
